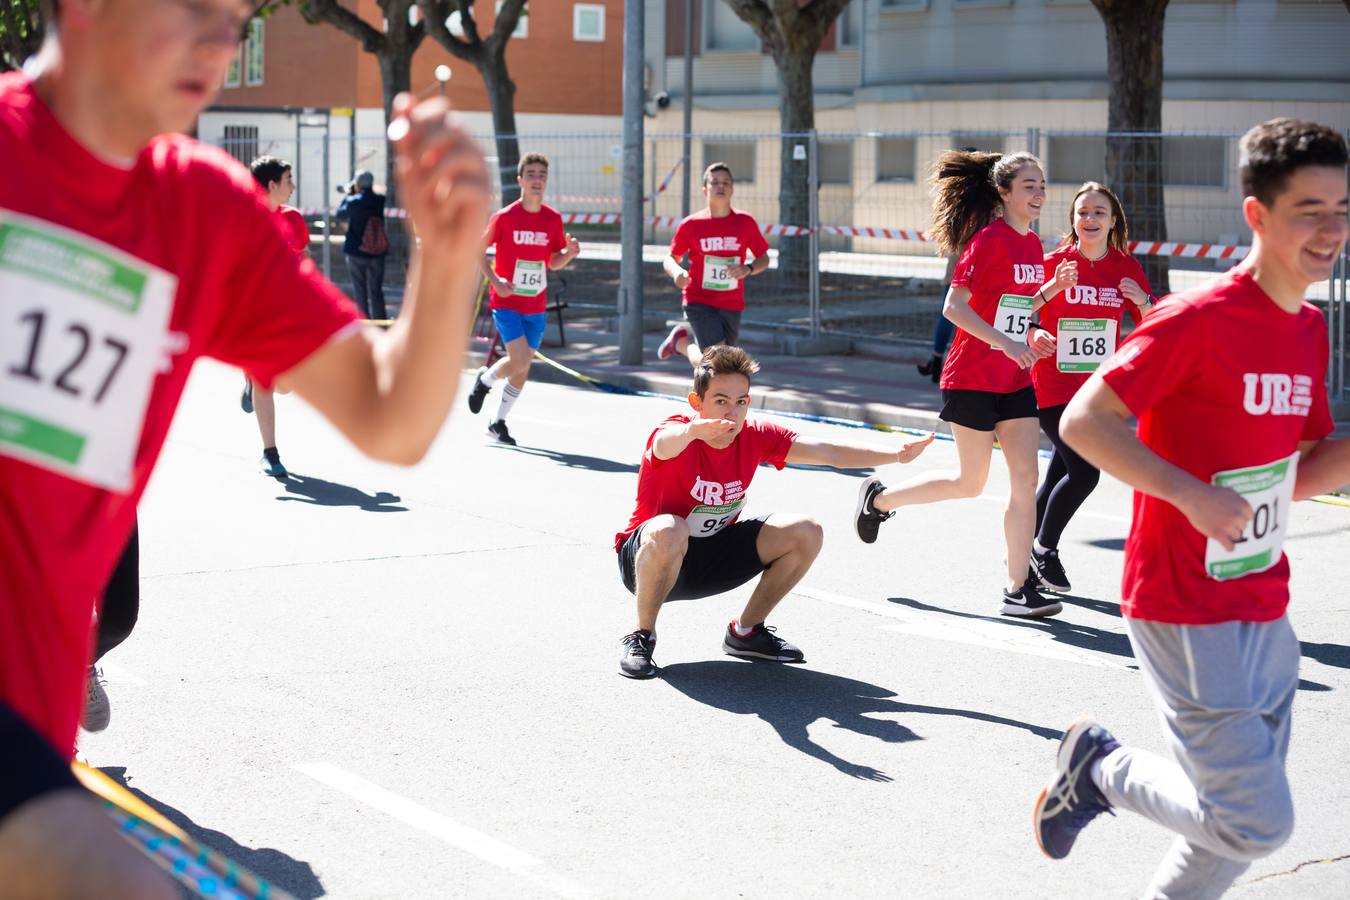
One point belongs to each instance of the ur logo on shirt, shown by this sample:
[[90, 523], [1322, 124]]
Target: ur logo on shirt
[[716, 244], [1276, 394], [1025, 273], [709, 493], [531, 238]]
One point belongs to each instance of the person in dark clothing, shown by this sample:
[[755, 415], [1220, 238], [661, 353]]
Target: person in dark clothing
[[116, 618], [361, 205]]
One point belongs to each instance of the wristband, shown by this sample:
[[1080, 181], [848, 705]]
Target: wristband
[[1040, 292]]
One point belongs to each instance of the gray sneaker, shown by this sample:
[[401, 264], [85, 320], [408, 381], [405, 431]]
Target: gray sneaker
[[97, 709]]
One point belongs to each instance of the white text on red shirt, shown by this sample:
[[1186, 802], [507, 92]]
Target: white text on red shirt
[[724, 244], [1276, 394], [531, 238]]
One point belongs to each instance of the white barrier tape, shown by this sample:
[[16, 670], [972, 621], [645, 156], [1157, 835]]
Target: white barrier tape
[[1189, 251], [895, 234]]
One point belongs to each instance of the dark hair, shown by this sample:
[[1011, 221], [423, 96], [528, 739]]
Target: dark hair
[[268, 169], [722, 359], [1119, 238], [716, 167], [530, 158], [965, 193], [1274, 150]]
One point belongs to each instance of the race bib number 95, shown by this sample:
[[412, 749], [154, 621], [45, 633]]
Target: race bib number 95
[[705, 521], [82, 328], [1269, 489]]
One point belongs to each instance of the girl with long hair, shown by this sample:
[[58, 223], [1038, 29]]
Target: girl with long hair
[[985, 203], [1107, 284]]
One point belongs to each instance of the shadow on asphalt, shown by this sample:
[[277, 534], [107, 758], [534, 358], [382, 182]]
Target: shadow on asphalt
[[791, 698], [1084, 637], [286, 872], [1334, 655], [577, 460], [317, 492], [1108, 543]]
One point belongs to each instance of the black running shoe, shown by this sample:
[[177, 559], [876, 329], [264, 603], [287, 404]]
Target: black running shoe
[[478, 393], [1070, 801], [1050, 571], [1027, 603], [498, 430], [636, 661], [246, 398], [866, 518], [761, 644]]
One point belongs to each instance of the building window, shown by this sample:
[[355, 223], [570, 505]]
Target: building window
[[895, 159], [588, 22], [986, 143], [848, 27], [724, 30], [522, 24], [905, 5], [253, 54], [241, 142], [236, 67], [1195, 161], [739, 155], [835, 159], [1074, 160]]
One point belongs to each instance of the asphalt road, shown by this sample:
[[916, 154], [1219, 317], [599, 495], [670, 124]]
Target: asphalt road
[[382, 682]]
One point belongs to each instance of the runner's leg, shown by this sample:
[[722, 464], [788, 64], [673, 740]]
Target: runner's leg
[[121, 599], [787, 546], [1020, 440], [974, 449], [661, 549], [518, 358], [1066, 497], [1055, 471], [265, 408]]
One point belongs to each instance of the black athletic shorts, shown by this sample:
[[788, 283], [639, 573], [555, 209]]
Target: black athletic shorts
[[712, 325], [982, 410], [29, 766], [712, 565]]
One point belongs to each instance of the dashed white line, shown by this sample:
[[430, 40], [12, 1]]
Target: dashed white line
[[456, 834]]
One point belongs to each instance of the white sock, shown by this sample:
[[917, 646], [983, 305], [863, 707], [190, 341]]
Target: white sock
[[741, 630], [510, 395], [1040, 548], [485, 375]]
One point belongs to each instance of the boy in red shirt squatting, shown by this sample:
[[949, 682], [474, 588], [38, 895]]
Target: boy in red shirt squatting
[[127, 251], [686, 539], [530, 240], [716, 240], [1227, 381]]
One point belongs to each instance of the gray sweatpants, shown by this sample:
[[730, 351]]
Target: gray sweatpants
[[1225, 693]]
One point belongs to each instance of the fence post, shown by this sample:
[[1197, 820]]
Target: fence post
[[651, 229], [1034, 148], [813, 185], [630, 265], [327, 209]]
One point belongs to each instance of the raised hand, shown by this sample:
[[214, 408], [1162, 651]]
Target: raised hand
[[911, 450], [1133, 292], [710, 429]]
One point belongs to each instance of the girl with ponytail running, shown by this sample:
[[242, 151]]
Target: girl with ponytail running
[[986, 202], [1102, 282]]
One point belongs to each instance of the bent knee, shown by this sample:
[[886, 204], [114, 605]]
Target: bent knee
[[1252, 838], [809, 535], [966, 486], [667, 535]]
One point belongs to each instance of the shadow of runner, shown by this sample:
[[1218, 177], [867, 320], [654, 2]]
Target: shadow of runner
[[1084, 637], [576, 460], [292, 875], [318, 492], [1335, 655], [791, 698]]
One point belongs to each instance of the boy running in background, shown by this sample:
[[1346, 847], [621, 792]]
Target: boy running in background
[[716, 239], [529, 240]]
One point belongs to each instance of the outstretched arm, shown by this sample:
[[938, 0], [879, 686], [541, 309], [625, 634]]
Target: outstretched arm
[[1323, 466], [847, 455]]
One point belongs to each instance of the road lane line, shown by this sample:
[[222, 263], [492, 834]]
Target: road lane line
[[456, 834], [978, 631]]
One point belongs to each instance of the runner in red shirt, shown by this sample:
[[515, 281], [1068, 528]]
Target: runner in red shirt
[[1227, 381], [529, 239], [127, 251], [1101, 283], [686, 538], [986, 202], [717, 240], [274, 177]]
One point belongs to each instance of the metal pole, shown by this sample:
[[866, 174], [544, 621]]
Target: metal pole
[[327, 201], [630, 265], [1034, 148], [688, 104], [651, 230], [813, 185]]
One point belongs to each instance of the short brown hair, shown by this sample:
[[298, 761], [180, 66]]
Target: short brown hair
[[722, 359], [530, 158], [1274, 150], [717, 167]]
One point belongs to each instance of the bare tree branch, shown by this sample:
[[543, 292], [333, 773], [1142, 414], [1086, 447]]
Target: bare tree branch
[[334, 13]]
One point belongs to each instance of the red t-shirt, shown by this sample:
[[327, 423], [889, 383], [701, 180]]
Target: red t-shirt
[[997, 261], [704, 485], [1220, 378], [1096, 296], [294, 227], [524, 242], [112, 282], [724, 241]]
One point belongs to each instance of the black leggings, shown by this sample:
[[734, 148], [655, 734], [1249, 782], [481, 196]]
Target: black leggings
[[1068, 482], [121, 599]]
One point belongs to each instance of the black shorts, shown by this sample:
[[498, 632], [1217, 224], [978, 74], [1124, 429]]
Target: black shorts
[[982, 410], [712, 325], [30, 767], [712, 565]]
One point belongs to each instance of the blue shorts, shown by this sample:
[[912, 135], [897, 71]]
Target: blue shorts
[[511, 325]]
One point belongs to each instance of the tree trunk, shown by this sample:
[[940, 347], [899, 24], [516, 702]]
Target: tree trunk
[[1134, 161], [501, 91], [395, 77], [796, 116]]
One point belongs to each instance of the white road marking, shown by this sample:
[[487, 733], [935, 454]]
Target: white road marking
[[118, 675], [979, 632], [552, 423], [457, 835]]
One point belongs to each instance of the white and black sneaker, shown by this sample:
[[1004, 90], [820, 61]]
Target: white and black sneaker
[[1027, 603], [478, 393], [867, 518], [760, 643], [1050, 571], [636, 661]]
